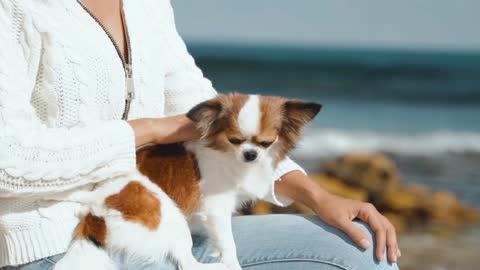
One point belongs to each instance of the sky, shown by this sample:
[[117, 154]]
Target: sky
[[417, 24]]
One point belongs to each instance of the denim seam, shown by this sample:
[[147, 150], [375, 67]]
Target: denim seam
[[294, 260], [49, 261]]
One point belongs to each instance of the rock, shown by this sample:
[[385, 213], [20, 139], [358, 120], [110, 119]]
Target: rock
[[340, 188], [444, 208], [400, 200], [406, 202], [261, 208], [418, 190], [404, 198], [374, 172], [399, 222], [407, 206]]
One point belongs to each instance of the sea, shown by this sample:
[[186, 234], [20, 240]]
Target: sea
[[421, 107]]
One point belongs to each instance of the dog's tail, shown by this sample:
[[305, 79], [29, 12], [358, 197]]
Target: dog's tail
[[87, 248]]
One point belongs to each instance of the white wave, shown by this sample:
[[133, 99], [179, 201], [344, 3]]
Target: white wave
[[328, 142]]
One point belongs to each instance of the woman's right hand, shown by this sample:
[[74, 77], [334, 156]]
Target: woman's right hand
[[166, 130]]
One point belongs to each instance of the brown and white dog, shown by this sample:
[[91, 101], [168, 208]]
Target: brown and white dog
[[145, 217]]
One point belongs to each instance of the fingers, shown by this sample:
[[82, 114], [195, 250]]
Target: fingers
[[357, 235], [370, 215], [392, 244], [381, 236], [385, 234]]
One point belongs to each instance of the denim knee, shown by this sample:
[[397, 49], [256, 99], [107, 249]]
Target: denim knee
[[301, 242]]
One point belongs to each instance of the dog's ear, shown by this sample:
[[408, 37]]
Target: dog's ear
[[206, 112], [298, 113]]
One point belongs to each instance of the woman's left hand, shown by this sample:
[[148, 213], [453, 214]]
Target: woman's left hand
[[340, 213]]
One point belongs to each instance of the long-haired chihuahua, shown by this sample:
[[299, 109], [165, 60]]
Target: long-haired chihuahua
[[147, 216]]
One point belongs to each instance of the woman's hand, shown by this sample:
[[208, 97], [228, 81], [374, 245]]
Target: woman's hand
[[340, 212], [166, 130]]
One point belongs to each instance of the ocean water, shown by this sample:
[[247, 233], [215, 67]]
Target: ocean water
[[420, 107]]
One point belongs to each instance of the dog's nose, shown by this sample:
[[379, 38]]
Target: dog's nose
[[250, 155]]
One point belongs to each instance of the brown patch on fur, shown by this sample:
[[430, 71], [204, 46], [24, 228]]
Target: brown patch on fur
[[92, 228], [217, 118], [175, 171], [137, 204]]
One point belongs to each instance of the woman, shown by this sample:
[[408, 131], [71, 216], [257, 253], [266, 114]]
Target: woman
[[66, 122]]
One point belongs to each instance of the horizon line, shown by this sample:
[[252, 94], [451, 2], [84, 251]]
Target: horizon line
[[338, 47]]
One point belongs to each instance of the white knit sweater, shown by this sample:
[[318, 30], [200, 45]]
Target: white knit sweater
[[61, 102]]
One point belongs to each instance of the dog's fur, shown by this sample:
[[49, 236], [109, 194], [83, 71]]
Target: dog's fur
[[146, 216]]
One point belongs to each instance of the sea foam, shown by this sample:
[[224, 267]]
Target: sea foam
[[318, 143]]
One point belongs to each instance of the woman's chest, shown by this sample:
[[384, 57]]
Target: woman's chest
[[82, 69], [109, 14]]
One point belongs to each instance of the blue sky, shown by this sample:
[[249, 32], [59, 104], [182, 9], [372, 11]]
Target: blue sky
[[420, 24]]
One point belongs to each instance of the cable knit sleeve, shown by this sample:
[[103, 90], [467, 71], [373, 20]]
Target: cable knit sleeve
[[35, 158], [186, 86]]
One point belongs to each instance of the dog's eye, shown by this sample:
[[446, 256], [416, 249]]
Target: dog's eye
[[265, 143], [235, 141]]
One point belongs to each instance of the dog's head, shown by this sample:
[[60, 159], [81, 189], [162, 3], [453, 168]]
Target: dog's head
[[251, 126]]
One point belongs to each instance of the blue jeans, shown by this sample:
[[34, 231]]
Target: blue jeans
[[280, 242]]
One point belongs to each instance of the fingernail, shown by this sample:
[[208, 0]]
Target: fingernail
[[364, 243], [399, 253], [394, 258]]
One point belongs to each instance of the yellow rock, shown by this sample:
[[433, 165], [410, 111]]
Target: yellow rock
[[444, 208], [338, 187], [302, 209], [261, 208], [400, 200], [419, 190], [399, 222], [373, 172]]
